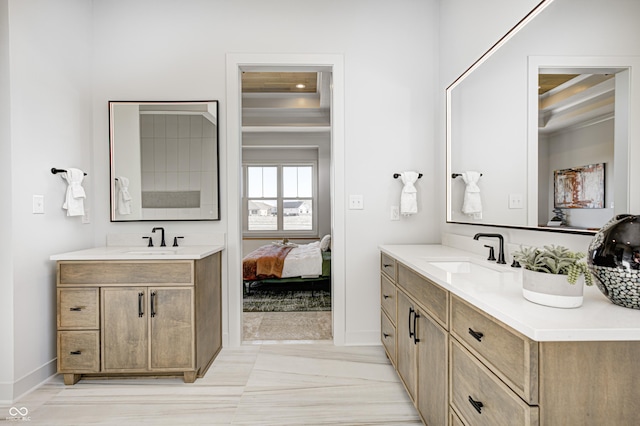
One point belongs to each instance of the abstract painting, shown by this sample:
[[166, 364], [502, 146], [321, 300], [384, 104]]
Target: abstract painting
[[579, 187]]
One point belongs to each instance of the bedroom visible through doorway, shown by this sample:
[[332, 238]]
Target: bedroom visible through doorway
[[286, 205]]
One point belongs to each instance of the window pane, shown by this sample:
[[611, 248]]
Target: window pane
[[263, 215], [297, 181], [262, 181], [298, 215]]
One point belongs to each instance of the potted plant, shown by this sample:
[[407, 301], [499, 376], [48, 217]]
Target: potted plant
[[553, 275]]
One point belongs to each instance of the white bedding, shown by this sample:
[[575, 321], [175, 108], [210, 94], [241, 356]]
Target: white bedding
[[303, 261]]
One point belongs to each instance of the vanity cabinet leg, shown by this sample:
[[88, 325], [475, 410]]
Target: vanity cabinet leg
[[71, 379], [189, 376]]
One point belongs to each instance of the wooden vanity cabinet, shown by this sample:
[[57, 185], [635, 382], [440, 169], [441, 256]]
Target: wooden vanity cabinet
[[421, 342], [496, 375], [138, 317]]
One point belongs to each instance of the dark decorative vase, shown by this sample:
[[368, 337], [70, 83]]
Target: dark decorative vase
[[614, 260]]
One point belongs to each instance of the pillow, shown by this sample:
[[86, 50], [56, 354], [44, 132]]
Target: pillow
[[325, 243]]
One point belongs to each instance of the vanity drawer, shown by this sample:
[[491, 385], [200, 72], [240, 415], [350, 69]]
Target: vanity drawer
[[388, 265], [125, 272], [496, 403], [388, 337], [388, 297], [426, 293], [511, 356], [78, 308], [79, 351]]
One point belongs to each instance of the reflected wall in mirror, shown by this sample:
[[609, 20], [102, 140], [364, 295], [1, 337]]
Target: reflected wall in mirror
[[164, 160], [493, 112]]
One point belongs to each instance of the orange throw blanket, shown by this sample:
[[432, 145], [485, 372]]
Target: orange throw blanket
[[264, 262]]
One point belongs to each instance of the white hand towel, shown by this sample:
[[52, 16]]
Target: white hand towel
[[74, 198], [409, 195], [124, 198], [472, 204]]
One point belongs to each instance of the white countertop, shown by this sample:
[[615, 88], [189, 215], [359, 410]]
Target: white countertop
[[140, 253], [500, 295]]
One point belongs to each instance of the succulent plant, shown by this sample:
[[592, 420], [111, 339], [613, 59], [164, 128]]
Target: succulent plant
[[557, 260]]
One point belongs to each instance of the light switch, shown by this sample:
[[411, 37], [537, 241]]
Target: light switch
[[38, 204], [395, 213], [516, 201], [356, 202]]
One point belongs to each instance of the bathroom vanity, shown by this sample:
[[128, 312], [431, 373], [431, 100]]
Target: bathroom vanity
[[471, 350], [138, 311]]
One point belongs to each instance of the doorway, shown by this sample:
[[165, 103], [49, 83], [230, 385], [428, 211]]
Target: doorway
[[236, 64]]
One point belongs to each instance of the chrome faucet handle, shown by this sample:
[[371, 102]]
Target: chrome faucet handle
[[150, 241]]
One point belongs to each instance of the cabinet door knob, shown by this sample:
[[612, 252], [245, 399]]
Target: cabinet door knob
[[385, 335], [386, 296], [476, 335], [476, 404]]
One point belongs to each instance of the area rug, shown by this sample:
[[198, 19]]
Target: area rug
[[287, 301]]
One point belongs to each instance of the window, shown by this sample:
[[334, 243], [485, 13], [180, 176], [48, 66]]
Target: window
[[280, 199]]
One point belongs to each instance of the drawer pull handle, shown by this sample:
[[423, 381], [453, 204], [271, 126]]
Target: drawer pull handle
[[476, 335], [140, 308], [386, 296], [75, 353], [476, 404], [153, 304], [387, 265], [415, 333], [75, 309], [411, 311]]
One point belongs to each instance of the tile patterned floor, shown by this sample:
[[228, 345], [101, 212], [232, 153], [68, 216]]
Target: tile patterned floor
[[278, 384]]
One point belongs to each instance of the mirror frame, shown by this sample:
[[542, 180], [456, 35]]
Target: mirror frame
[[448, 127], [113, 175]]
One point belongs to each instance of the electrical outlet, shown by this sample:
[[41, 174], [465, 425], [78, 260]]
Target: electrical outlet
[[516, 201], [356, 202], [395, 213], [38, 204]]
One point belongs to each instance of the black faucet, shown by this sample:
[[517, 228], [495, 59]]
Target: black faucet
[[501, 248], [162, 242]]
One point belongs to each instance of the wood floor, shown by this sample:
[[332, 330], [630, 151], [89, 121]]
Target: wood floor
[[259, 327], [268, 384]]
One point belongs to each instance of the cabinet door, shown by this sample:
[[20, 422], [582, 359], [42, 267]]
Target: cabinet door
[[432, 359], [406, 348], [172, 333], [125, 345]]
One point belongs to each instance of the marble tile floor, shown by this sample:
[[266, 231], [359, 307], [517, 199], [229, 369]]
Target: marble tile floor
[[280, 384], [277, 326]]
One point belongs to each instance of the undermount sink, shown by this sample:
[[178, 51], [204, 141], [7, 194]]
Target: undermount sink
[[465, 267], [152, 251]]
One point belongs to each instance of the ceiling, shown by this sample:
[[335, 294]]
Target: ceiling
[[279, 82]]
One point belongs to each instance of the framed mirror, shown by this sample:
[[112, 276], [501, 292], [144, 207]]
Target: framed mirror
[[498, 125], [164, 161]]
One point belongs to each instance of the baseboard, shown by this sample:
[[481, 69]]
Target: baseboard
[[362, 338], [10, 392]]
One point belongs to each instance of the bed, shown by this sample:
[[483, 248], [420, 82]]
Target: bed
[[286, 266]]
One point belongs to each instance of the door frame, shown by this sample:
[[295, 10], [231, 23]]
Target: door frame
[[232, 288]]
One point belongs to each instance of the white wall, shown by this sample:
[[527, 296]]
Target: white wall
[[167, 50], [574, 148], [50, 126]]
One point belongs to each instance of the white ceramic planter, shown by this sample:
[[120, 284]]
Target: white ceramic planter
[[552, 290]]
